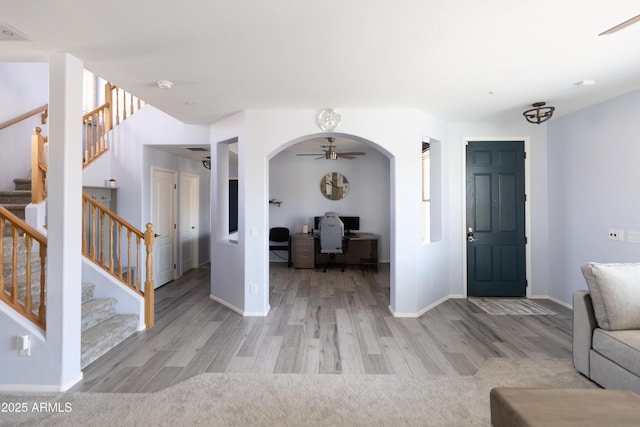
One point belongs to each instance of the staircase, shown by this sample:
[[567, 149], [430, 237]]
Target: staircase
[[102, 327], [15, 201]]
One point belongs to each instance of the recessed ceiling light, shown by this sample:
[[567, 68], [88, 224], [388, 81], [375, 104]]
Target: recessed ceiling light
[[585, 83], [164, 84]]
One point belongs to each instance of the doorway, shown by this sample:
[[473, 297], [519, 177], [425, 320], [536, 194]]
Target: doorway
[[163, 213], [495, 219], [189, 220]]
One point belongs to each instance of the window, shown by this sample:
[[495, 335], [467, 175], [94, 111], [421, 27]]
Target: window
[[89, 91], [426, 192]]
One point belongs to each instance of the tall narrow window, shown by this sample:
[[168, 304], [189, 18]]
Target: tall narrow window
[[426, 191], [89, 91]]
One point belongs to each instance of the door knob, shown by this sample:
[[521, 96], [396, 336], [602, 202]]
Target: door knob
[[470, 237], [156, 235], [193, 227]]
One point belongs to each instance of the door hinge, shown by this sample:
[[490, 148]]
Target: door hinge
[[174, 227], [526, 240], [525, 197], [175, 186], [526, 283], [174, 266], [525, 154]]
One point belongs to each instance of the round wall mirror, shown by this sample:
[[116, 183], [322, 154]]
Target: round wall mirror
[[334, 186]]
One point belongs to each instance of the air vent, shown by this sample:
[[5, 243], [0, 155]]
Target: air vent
[[197, 149], [11, 34]]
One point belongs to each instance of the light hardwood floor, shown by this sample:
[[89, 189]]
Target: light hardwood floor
[[328, 323]]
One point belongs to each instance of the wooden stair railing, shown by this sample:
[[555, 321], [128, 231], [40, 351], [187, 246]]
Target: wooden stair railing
[[97, 123], [43, 111], [115, 245], [23, 304]]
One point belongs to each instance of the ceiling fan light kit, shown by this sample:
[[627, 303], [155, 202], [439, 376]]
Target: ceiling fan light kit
[[331, 154], [540, 113]]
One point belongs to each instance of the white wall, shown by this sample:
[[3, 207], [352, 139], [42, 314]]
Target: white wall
[[295, 181], [23, 87], [593, 186], [396, 133], [54, 363]]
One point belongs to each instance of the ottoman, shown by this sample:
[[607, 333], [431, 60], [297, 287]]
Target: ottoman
[[514, 407]]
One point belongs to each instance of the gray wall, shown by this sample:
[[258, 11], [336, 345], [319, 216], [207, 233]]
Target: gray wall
[[593, 186]]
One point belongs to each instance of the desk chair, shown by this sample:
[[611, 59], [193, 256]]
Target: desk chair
[[331, 237], [279, 240]]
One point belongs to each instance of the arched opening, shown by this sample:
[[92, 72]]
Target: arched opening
[[295, 172]]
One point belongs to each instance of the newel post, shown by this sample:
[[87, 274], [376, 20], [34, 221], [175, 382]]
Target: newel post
[[38, 166], [148, 284], [108, 113]]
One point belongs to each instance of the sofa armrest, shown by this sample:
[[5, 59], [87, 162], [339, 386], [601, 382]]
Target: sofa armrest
[[584, 322]]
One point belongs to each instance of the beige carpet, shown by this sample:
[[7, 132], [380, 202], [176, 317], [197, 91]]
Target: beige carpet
[[510, 306], [302, 400]]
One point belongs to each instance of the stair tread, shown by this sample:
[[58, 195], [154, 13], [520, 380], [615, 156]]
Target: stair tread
[[97, 310], [15, 192], [102, 337]]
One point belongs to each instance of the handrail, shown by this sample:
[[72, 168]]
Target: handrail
[[43, 109], [103, 235], [23, 304], [98, 122], [39, 166]]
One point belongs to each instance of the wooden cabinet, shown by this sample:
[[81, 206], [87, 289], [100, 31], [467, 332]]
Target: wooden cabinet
[[303, 251]]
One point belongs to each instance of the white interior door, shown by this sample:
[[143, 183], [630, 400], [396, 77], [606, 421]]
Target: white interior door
[[189, 220], [163, 206]]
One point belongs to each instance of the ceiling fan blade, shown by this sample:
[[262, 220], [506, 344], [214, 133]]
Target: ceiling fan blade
[[621, 26], [353, 153], [310, 154], [345, 156], [321, 157]]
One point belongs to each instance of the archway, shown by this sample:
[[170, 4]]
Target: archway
[[294, 187]]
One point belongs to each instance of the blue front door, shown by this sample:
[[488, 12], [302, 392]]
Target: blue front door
[[495, 233]]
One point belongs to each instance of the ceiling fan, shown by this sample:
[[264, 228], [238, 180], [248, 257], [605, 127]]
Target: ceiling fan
[[331, 154]]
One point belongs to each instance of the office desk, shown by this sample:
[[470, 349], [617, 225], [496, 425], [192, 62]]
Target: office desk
[[359, 249]]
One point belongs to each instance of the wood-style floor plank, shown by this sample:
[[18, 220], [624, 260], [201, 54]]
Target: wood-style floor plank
[[319, 323]]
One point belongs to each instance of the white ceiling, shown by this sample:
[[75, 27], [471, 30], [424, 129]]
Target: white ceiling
[[460, 60]]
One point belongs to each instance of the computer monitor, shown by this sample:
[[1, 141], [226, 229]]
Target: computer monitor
[[351, 223]]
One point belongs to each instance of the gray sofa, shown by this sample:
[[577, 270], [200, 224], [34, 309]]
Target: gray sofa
[[606, 326]]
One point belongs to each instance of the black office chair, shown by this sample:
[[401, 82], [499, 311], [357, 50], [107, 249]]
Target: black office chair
[[331, 237], [279, 240]]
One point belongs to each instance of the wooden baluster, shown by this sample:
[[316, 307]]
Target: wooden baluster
[[86, 141], [14, 265], [27, 298], [138, 273], [117, 105], [94, 220], [120, 250], [42, 308], [84, 226], [148, 284], [124, 105], [110, 244], [131, 104], [101, 246], [130, 280]]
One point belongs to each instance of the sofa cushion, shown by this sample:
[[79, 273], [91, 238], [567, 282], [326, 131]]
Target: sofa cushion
[[615, 292], [621, 347]]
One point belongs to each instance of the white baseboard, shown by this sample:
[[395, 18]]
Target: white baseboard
[[239, 311], [424, 310]]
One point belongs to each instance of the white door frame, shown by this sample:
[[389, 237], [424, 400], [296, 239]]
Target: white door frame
[[174, 213], [527, 205]]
